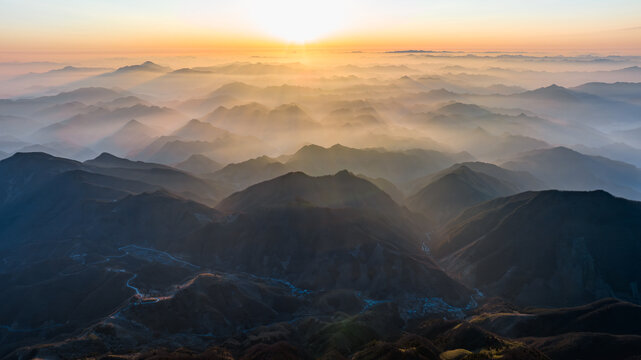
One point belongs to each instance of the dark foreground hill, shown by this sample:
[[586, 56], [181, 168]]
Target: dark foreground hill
[[124, 250], [553, 248], [100, 262], [601, 330]]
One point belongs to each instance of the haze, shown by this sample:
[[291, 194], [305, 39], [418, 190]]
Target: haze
[[413, 180]]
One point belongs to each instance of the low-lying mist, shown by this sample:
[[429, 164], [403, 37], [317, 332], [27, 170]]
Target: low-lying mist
[[493, 107]]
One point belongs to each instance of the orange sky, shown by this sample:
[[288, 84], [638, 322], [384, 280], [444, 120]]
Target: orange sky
[[119, 27]]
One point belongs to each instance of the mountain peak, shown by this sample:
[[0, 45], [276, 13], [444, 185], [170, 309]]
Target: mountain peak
[[200, 131], [553, 92], [235, 87], [148, 66], [291, 109], [133, 123], [32, 155], [107, 157], [311, 148], [339, 147], [38, 157], [458, 108], [342, 190], [454, 190], [40, 160], [195, 122], [563, 149], [198, 164], [555, 151]]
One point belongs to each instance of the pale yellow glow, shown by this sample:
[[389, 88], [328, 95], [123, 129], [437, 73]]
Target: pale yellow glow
[[299, 21]]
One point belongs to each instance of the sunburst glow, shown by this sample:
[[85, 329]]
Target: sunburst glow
[[299, 21]]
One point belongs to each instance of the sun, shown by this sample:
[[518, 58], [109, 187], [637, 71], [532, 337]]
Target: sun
[[299, 21]]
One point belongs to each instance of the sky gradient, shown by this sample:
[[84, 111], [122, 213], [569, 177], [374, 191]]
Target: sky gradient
[[119, 26]]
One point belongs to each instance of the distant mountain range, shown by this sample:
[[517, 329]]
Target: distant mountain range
[[199, 164], [377, 205], [396, 166], [565, 169]]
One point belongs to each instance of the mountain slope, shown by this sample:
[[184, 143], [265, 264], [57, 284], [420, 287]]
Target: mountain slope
[[338, 191], [297, 223], [220, 145], [619, 90], [90, 127], [396, 166], [174, 180], [132, 136], [107, 160], [200, 131], [547, 248], [25, 172], [575, 106], [260, 121], [519, 180], [357, 250], [198, 164], [29, 106], [453, 191], [250, 172]]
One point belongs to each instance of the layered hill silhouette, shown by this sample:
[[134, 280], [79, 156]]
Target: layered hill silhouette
[[202, 139], [132, 136], [571, 105], [199, 131], [128, 76], [617, 90], [396, 166], [29, 106], [472, 126], [519, 180], [89, 127], [171, 179], [260, 121], [250, 172], [443, 195], [199, 164], [565, 169]]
